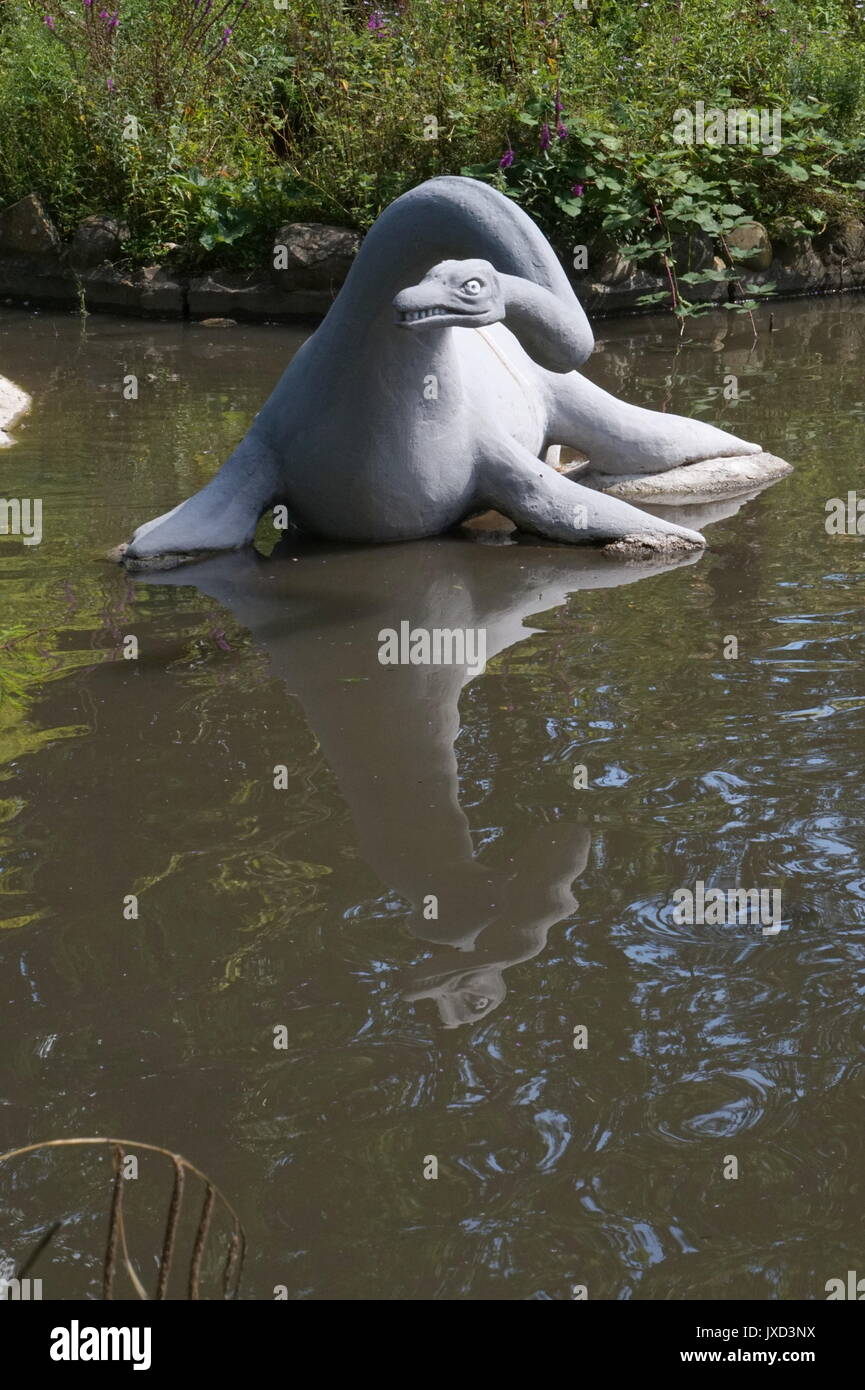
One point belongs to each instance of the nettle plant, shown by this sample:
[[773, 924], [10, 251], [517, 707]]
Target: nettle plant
[[657, 208]]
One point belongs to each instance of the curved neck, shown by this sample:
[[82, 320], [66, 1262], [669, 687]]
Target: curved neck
[[456, 218], [555, 337]]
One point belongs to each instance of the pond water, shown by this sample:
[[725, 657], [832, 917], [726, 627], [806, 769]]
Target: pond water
[[289, 1009]]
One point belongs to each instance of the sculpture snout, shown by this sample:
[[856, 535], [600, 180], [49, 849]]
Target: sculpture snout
[[418, 303]]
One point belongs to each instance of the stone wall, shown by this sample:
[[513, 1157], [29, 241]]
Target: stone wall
[[311, 261]]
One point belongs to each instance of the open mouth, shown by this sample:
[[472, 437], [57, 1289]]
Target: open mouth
[[412, 315], [438, 312]]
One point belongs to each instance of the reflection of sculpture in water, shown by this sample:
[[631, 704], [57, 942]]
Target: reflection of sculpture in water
[[513, 919], [388, 732], [443, 374]]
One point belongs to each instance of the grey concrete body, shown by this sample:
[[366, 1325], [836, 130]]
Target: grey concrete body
[[419, 402]]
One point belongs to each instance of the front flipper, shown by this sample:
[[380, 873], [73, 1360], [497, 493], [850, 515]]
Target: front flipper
[[538, 499], [222, 516], [622, 438]]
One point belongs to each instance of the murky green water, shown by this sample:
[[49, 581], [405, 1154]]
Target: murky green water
[[295, 914]]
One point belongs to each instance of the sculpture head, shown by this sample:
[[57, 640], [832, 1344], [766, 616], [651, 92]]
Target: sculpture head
[[462, 996], [454, 294]]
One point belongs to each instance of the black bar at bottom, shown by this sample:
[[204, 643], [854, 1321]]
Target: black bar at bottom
[[63, 1339]]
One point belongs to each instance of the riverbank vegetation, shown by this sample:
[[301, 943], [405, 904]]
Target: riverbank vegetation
[[205, 124]]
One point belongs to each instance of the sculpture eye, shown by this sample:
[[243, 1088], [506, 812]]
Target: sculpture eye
[[472, 286]]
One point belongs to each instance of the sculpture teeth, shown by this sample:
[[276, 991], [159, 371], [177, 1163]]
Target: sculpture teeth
[[412, 315]]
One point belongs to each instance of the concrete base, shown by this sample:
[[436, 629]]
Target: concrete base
[[156, 562], [648, 546], [693, 482]]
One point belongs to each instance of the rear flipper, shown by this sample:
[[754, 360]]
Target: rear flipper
[[222, 516], [538, 499], [622, 438]]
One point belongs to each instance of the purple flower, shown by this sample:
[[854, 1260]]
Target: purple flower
[[562, 130], [578, 190], [546, 138], [507, 159], [226, 35], [109, 82], [49, 21], [376, 24], [88, 4]]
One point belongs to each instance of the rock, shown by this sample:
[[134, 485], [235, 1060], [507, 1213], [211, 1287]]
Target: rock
[[693, 250], [796, 266], [27, 230], [217, 323], [136, 564], [611, 269], [13, 402], [97, 239], [842, 252], [148, 293], [44, 281], [488, 524], [692, 482], [842, 241], [607, 262], [647, 546], [160, 295], [614, 268], [107, 288], [750, 246], [791, 243], [224, 295], [690, 249], [619, 298], [313, 256]]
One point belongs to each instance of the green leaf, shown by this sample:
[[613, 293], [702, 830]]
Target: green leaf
[[571, 207], [699, 277], [706, 221], [604, 181], [793, 170]]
